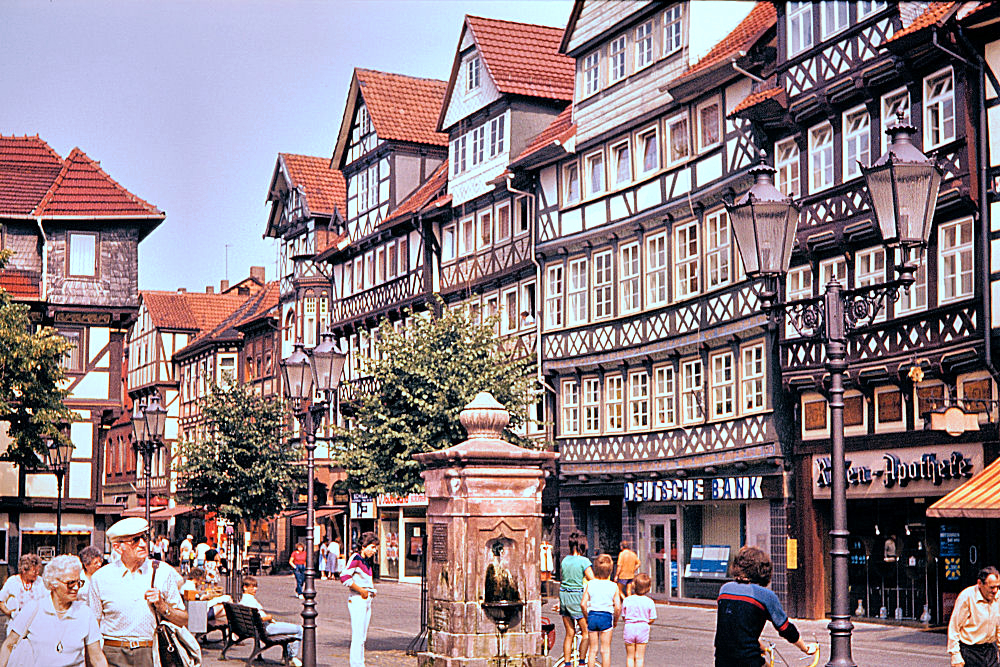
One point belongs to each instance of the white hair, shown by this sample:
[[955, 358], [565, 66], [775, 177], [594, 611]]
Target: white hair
[[60, 566]]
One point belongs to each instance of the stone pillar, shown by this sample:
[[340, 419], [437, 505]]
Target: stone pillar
[[484, 506]]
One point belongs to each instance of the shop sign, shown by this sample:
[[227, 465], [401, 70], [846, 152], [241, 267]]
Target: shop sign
[[679, 490], [409, 500], [362, 506], [949, 551], [911, 471]]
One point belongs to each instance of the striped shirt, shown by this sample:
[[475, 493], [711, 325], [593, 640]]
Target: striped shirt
[[358, 571], [743, 610]]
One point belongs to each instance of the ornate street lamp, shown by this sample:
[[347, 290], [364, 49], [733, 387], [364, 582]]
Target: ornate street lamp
[[148, 424], [902, 187], [58, 454], [303, 372]]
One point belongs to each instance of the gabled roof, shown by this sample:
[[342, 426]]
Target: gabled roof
[[559, 131], [754, 99], [521, 58], [427, 193], [192, 311], [28, 167], [935, 14], [402, 108], [324, 188], [225, 331], [266, 306]]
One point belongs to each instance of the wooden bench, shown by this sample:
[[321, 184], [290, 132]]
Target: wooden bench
[[246, 623]]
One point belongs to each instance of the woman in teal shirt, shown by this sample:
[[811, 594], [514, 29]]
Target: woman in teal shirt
[[575, 570]]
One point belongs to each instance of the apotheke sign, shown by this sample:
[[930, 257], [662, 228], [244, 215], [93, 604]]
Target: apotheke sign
[[911, 471]]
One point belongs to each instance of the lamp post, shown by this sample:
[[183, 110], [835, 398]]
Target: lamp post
[[57, 454], [148, 423], [902, 188], [304, 372]]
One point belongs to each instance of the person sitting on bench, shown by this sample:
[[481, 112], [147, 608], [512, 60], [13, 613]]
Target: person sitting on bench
[[270, 625]]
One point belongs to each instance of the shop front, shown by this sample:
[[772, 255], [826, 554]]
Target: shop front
[[402, 522], [900, 560], [689, 530], [38, 533]]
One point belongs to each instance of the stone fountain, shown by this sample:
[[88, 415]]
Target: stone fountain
[[484, 519]]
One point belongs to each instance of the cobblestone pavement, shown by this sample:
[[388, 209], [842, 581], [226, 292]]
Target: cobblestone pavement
[[682, 635]]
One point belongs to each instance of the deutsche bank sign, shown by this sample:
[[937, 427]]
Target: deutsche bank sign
[[718, 488]]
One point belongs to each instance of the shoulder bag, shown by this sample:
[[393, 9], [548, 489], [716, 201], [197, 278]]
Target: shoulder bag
[[175, 644], [23, 654]]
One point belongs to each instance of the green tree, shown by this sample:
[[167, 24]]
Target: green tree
[[424, 377], [243, 468], [32, 381]]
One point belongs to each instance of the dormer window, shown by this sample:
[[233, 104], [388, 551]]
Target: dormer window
[[673, 29], [833, 17], [472, 73], [800, 26]]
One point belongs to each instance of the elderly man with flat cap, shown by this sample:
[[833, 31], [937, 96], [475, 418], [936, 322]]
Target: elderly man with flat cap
[[124, 593]]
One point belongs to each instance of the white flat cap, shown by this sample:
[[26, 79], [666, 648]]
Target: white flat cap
[[133, 525]]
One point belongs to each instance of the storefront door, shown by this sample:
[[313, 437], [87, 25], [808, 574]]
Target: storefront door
[[413, 531], [661, 557]]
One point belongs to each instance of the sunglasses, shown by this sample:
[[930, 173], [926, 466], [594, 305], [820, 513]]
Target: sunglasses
[[134, 540], [73, 584]]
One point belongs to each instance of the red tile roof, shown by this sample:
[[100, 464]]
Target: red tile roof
[[267, 302], [423, 195], [225, 329], [403, 108], [936, 12], [196, 311], [524, 59], [34, 180], [21, 284], [559, 131], [754, 99], [760, 19], [324, 187]]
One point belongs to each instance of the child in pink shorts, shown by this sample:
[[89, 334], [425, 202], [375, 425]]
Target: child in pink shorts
[[638, 612]]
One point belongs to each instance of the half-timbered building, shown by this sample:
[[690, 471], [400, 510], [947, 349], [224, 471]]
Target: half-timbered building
[[75, 233], [653, 344], [843, 72]]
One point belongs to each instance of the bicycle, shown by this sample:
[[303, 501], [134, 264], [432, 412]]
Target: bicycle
[[770, 651], [574, 656]]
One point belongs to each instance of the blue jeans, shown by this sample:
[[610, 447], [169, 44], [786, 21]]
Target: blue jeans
[[282, 628], [300, 578]]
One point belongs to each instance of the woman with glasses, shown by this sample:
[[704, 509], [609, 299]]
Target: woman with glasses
[[61, 630]]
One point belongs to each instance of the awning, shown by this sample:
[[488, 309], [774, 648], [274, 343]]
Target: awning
[[978, 498], [168, 512], [300, 519], [136, 511]]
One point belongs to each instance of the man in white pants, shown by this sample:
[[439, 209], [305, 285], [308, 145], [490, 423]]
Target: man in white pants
[[357, 576]]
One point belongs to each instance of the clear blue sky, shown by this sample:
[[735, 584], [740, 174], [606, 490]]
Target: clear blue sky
[[187, 104]]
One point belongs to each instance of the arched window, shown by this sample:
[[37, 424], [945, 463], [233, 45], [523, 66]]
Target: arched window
[[290, 326]]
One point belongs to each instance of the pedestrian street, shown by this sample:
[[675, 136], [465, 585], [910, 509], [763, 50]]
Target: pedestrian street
[[682, 635]]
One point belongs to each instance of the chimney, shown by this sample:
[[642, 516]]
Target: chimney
[[209, 289], [257, 273], [182, 290], [223, 286]]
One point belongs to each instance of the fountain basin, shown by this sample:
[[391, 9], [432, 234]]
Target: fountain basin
[[504, 613]]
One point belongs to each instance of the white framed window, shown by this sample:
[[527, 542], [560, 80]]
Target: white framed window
[[869, 7], [664, 398], [373, 186], [617, 51], [591, 73], [857, 141], [362, 178], [686, 252], [709, 124], [786, 162], [820, 157], [833, 17], [723, 385], [497, 136], [571, 183], [955, 259], [752, 378], [485, 229], [630, 279], [82, 254], [678, 138], [648, 147], [522, 214], [673, 29], [478, 144], [370, 268], [691, 391], [800, 26], [603, 284], [528, 305], [553, 296], [915, 298], [460, 154], [448, 243], [939, 109], [594, 177], [359, 273], [718, 250], [892, 104], [491, 305], [644, 45], [621, 164], [392, 259], [798, 285], [835, 267], [656, 270], [576, 292], [570, 407], [503, 221], [614, 402], [869, 269], [510, 317], [638, 400], [468, 240], [591, 405], [472, 73]]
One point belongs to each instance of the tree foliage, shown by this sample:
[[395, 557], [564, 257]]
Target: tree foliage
[[32, 381], [423, 378], [242, 468]]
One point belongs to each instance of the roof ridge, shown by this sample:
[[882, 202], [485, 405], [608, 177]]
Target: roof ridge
[[44, 143], [509, 22], [78, 156], [405, 76]]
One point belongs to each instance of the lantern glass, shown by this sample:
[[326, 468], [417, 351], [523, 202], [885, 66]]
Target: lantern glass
[[139, 423], [64, 452], [764, 222], [298, 375], [156, 418], [328, 364]]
